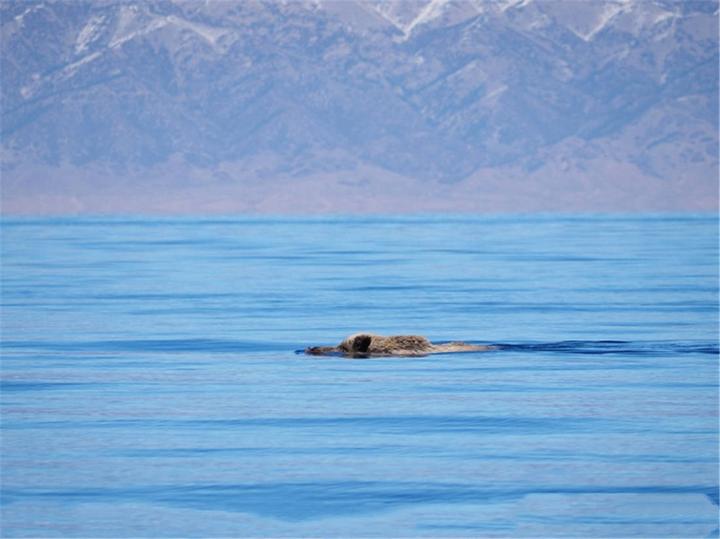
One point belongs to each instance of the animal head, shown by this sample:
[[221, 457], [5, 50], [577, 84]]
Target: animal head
[[354, 345], [357, 344]]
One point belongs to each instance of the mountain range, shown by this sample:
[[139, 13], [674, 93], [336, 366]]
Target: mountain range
[[219, 106]]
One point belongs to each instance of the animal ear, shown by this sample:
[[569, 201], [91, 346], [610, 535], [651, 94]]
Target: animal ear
[[361, 343]]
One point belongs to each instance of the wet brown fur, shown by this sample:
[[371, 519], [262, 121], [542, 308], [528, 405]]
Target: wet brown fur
[[368, 344]]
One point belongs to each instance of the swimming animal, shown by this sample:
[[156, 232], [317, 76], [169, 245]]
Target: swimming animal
[[370, 345]]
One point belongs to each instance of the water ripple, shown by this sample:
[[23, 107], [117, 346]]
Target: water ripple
[[313, 500]]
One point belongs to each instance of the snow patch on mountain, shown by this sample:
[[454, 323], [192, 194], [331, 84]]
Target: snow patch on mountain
[[151, 27], [495, 93], [89, 33], [588, 29], [406, 16], [210, 34], [385, 11], [504, 5], [37, 81], [129, 20], [69, 70], [431, 11], [20, 19]]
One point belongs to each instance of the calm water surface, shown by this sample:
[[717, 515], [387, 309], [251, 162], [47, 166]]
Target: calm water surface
[[150, 384]]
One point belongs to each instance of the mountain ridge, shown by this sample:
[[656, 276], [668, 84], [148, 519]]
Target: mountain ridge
[[465, 104]]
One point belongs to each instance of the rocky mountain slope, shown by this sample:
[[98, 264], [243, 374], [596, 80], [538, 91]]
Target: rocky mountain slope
[[470, 105]]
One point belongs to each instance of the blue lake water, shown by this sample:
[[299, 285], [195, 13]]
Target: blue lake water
[[151, 385]]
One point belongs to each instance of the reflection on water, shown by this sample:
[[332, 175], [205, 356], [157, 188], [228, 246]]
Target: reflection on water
[[151, 385]]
